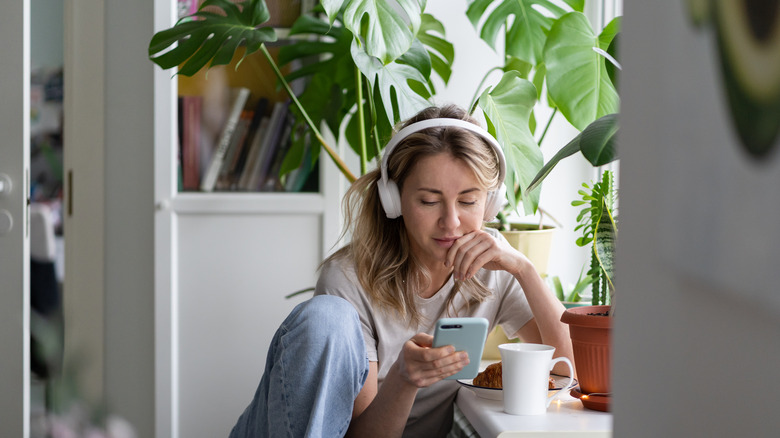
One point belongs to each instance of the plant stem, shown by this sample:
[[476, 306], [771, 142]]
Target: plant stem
[[473, 105], [549, 122], [336, 159], [374, 131], [361, 121]]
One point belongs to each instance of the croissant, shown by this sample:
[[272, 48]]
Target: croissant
[[491, 378]]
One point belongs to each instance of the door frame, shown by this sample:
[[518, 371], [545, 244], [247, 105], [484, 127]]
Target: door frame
[[84, 214], [14, 240]]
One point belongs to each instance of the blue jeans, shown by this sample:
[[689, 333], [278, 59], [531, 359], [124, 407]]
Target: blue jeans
[[315, 368]]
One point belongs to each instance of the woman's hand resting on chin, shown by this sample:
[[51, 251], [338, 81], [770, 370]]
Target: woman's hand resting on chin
[[479, 249]]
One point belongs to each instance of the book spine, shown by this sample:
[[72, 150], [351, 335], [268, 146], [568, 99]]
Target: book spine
[[236, 143], [271, 145], [254, 126], [210, 178], [191, 142], [244, 182]]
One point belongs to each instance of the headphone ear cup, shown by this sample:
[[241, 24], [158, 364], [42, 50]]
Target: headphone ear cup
[[390, 197], [493, 203]]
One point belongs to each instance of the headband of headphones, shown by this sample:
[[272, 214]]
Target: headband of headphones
[[441, 123], [388, 190]]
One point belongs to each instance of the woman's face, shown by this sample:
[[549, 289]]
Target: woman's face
[[441, 200]]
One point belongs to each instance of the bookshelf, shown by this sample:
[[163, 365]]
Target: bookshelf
[[224, 260], [235, 125]]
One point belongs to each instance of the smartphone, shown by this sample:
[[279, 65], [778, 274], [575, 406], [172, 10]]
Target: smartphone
[[465, 334]]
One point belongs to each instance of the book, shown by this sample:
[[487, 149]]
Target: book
[[270, 146], [190, 142], [240, 158], [255, 173], [273, 182], [234, 149], [252, 156], [210, 178]]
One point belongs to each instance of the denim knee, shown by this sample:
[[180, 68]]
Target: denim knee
[[324, 315]]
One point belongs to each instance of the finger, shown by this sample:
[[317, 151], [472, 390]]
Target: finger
[[455, 248], [423, 340], [465, 263], [459, 250], [444, 368]]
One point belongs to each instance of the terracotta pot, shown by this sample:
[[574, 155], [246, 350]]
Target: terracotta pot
[[591, 338]]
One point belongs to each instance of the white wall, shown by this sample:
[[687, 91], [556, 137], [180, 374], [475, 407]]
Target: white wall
[[696, 340]]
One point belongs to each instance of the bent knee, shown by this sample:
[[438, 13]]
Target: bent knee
[[328, 314]]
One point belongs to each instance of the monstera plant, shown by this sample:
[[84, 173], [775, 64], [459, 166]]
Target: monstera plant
[[368, 64]]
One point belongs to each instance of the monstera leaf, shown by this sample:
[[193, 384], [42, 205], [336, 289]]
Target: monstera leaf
[[392, 82], [441, 51], [212, 38], [395, 91], [507, 108], [597, 143], [382, 31], [530, 21], [577, 79]]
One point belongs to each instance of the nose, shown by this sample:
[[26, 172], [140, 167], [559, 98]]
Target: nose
[[450, 217]]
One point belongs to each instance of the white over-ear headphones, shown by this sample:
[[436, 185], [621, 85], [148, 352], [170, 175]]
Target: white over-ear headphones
[[389, 194]]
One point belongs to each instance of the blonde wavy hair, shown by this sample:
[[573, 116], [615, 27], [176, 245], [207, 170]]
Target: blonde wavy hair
[[379, 248]]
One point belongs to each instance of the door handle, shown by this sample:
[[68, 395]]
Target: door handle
[[5, 184]]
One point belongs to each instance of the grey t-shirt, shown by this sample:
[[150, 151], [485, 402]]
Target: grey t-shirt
[[386, 332]]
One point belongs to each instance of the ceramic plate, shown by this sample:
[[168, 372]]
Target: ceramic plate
[[497, 394]]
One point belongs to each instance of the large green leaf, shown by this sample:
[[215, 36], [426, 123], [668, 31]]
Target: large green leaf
[[212, 38], [441, 51], [392, 80], [507, 108], [383, 31], [530, 21], [597, 142], [577, 79]]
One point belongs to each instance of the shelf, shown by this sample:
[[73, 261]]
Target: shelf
[[248, 203]]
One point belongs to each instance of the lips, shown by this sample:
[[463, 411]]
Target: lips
[[445, 242]]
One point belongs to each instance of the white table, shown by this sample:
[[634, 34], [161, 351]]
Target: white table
[[564, 418]]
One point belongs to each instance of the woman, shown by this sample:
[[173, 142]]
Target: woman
[[418, 253]]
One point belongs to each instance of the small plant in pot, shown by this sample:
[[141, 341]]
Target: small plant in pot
[[590, 326]]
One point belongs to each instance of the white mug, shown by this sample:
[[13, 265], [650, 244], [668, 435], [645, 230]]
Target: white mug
[[525, 374]]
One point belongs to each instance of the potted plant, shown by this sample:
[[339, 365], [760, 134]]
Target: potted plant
[[590, 326]]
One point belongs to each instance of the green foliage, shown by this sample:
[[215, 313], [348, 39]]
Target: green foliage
[[598, 224], [531, 21], [577, 77], [212, 38], [573, 294], [552, 44], [508, 107], [368, 64], [597, 142]]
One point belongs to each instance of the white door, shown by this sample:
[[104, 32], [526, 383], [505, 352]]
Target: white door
[[14, 244]]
